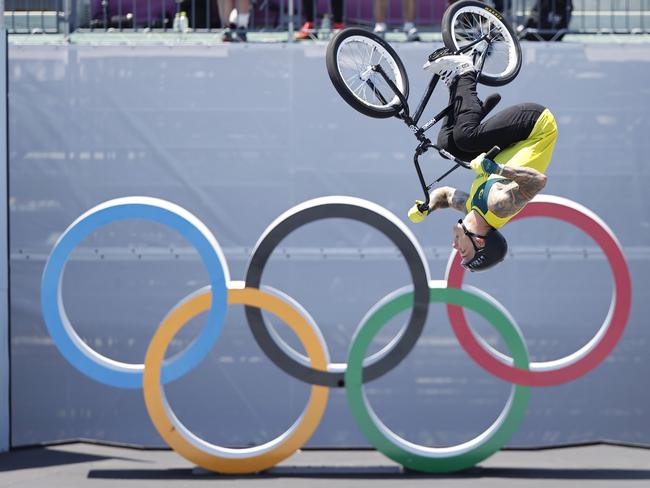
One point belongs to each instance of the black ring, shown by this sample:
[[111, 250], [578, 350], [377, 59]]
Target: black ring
[[376, 217]]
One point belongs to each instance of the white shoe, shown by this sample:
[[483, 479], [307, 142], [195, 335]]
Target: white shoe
[[380, 29], [412, 34], [449, 68]]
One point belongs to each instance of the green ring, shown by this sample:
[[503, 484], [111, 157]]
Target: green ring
[[414, 456]]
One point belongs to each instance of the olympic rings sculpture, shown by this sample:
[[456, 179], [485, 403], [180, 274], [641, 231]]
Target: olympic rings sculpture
[[315, 368]]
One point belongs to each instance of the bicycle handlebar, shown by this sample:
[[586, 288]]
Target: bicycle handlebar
[[491, 154]]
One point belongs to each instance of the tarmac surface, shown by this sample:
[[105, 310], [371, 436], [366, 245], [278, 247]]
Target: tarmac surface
[[90, 465]]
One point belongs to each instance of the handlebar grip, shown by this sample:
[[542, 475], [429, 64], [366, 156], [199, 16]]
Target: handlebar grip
[[492, 153]]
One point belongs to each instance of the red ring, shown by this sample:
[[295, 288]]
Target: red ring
[[572, 213]]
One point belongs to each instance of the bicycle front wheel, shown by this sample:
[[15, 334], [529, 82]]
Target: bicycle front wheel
[[498, 56], [352, 58]]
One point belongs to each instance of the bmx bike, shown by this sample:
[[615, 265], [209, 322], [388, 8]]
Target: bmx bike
[[369, 75]]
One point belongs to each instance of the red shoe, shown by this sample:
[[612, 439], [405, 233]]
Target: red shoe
[[307, 31], [338, 26]]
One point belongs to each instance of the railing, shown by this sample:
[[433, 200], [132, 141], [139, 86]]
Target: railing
[[558, 17], [34, 16], [547, 19]]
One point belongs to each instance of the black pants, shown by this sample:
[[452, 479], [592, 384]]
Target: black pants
[[308, 10], [465, 136]]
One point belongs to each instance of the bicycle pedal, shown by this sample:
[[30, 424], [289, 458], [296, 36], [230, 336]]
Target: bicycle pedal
[[439, 53]]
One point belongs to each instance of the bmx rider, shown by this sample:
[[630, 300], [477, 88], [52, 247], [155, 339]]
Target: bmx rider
[[526, 134]]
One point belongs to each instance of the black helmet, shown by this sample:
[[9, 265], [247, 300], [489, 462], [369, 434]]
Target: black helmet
[[491, 254]]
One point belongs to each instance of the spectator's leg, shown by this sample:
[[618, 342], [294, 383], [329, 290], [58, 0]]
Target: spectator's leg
[[379, 8], [234, 31], [308, 10], [243, 15], [307, 30], [408, 9], [337, 12], [225, 7]]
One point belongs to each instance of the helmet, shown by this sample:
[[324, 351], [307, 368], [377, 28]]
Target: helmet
[[491, 254]]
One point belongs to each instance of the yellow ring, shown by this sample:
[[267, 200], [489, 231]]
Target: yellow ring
[[210, 456]]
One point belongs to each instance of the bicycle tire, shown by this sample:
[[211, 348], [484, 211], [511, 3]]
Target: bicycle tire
[[364, 94], [464, 21]]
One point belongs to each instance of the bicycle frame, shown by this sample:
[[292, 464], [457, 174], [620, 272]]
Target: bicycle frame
[[412, 122]]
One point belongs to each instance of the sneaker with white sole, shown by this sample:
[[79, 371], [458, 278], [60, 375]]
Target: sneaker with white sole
[[412, 35], [380, 29], [449, 68]]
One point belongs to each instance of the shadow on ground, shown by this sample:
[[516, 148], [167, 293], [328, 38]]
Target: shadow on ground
[[377, 473], [42, 458]]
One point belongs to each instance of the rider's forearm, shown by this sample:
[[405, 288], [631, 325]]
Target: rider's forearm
[[447, 197], [530, 180]]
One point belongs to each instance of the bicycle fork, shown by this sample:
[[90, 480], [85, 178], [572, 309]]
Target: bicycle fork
[[424, 142]]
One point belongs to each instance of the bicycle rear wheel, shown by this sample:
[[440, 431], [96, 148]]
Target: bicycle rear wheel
[[350, 57], [469, 20]]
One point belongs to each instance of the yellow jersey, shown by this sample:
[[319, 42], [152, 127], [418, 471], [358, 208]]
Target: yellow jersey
[[533, 152]]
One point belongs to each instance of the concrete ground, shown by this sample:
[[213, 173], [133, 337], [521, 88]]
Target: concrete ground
[[89, 465]]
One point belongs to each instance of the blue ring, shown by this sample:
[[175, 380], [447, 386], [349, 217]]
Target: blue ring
[[155, 210]]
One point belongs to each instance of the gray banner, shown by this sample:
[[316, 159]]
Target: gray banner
[[239, 134]]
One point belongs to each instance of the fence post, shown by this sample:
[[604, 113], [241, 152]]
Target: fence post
[[67, 15], [5, 401], [290, 17]]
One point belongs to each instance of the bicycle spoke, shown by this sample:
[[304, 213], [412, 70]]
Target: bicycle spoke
[[470, 26], [355, 57], [355, 76], [360, 63], [359, 88], [368, 53], [372, 53]]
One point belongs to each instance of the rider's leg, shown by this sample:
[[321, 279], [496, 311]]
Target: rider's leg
[[503, 129], [446, 134]]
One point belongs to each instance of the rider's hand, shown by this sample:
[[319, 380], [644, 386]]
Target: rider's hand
[[483, 165], [415, 214]]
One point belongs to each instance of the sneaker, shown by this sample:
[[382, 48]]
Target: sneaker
[[307, 31], [227, 35], [449, 68], [412, 35], [240, 34], [380, 29]]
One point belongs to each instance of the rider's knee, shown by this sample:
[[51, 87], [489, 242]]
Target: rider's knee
[[465, 140]]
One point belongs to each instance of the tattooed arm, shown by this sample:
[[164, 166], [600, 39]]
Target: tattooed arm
[[511, 197], [448, 197]]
